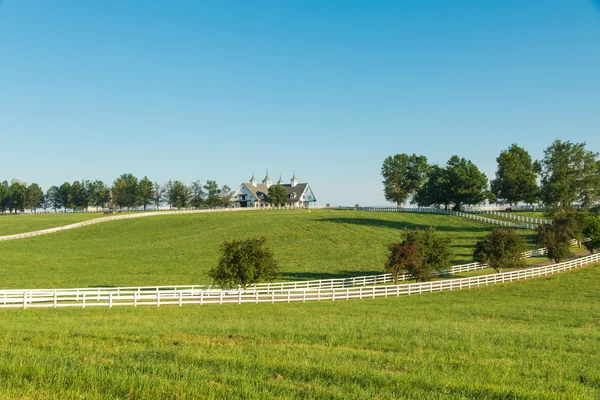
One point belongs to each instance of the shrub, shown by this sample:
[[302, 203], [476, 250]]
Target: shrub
[[500, 249]]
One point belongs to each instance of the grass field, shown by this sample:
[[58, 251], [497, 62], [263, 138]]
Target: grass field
[[537, 339], [12, 224], [179, 249]]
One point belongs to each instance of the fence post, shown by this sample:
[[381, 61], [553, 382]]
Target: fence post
[[180, 298], [54, 301], [240, 297], [83, 300], [135, 294], [109, 299], [157, 298], [221, 297], [24, 299]]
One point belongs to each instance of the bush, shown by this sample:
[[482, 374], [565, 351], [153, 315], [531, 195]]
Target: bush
[[591, 230], [500, 249], [558, 235], [244, 262]]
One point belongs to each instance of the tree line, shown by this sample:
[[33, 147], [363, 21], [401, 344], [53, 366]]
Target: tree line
[[568, 175], [127, 191]]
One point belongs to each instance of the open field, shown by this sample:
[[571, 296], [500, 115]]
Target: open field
[[11, 224], [535, 339], [179, 249]]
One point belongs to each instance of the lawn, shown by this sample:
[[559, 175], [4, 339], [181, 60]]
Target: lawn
[[536, 339], [11, 224], [179, 249]]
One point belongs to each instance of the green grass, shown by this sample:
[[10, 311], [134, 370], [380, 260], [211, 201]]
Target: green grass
[[536, 214], [179, 249], [12, 224], [536, 339]]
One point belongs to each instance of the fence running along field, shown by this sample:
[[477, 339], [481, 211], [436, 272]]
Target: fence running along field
[[469, 215], [30, 299], [521, 218]]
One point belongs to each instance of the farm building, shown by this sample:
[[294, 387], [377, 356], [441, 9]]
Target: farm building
[[254, 194]]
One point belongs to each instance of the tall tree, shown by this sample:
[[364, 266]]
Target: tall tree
[[465, 183], [178, 194], [403, 176], [434, 191], [99, 194], [556, 237], [4, 196], [17, 195], [124, 191], [226, 194], [64, 193], [197, 194], [33, 197], [516, 176], [159, 192], [277, 195], [78, 198], [591, 230], [213, 194], [53, 196], [145, 191], [570, 173]]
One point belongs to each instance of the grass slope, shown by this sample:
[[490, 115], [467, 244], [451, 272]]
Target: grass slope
[[537, 339], [179, 249], [12, 224]]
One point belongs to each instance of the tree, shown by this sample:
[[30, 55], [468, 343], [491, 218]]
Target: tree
[[502, 248], [244, 262], [570, 173], [591, 230], [159, 192], [178, 195], [64, 193], [419, 254], [78, 196], [53, 197], [403, 176], [197, 194], [145, 192], [516, 176], [99, 194], [4, 196], [556, 237], [124, 191], [17, 195], [213, 194], [225, 198], [277, 195], [34, 197], [434, 191]]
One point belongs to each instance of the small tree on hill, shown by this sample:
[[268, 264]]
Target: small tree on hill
[[244, 262], [500, 249], [591, 230], [277, 195], [419, 254], [558, 235]]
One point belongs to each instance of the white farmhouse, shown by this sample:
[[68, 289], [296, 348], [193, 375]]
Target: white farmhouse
[[255, 194]]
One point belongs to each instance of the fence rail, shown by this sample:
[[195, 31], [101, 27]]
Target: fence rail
[[520, 218], [180, 297]]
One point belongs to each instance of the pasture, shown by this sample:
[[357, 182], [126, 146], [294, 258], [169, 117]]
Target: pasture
[[179, 249], [12, 224], [534, 339]]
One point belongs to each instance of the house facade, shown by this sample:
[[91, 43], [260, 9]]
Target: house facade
[[254, 194]]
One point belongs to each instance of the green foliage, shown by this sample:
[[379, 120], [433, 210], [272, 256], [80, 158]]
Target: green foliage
[[178, 195], [145, 192], [403, 176], [501, 249], [125, 191], [277, 195], [459, 183], [159, 192], [53, 196], [215, 196], [591, 230], [17, 195], [419, 254], [558, 235], [197, 194], [245, 262], [516, 177], [34, 196], [570, 173], [99, 194], [4, 196], [78, 195]]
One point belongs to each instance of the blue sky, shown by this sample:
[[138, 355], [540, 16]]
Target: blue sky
[[217, 90]]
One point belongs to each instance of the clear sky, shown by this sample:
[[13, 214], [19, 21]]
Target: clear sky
[[217, 90]]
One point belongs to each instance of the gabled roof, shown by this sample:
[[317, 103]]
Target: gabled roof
[[261, 191]]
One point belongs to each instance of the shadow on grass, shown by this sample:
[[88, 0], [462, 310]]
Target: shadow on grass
[[404, 225], [311, 276]]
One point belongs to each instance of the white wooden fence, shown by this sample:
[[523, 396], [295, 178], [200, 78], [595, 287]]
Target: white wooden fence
[[476, 217], [521, 218], [30, 299]]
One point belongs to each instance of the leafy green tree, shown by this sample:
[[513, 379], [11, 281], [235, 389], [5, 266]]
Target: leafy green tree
[[213, 194], [34, 197], [53, 196], [178, 194], [197, 194], [99, 194], [159, 192], [558, 235], [403, 176], [225, 197], [419, 254], [64, 194], [145, 192], [277, 195], [78, 196], [591, 230], [124, 191], [17, 195], [434, 191], [570, 174], [4, 196], [516, 176], [244, 262], [502, 248]]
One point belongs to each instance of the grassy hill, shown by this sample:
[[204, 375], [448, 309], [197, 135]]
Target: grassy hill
[[179, 249], [12, 224], [536, 339]]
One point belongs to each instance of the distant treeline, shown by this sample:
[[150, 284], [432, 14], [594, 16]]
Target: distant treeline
[[568, 175], [127, 191]]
